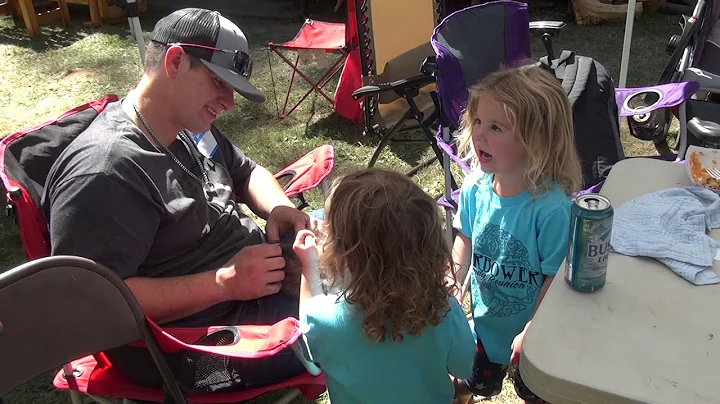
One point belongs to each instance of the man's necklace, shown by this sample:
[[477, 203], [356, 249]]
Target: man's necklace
[[208, 186]]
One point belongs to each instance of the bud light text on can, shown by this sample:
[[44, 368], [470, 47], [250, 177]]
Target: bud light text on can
[[589, 244]]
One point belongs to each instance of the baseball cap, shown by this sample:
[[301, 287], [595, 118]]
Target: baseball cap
[[219, 44]]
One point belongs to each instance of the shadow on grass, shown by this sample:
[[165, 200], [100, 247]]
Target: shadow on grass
[[54, 36], [335, 127], [410, 147]]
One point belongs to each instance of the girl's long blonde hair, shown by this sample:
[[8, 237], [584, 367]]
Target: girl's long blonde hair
[[540, 114], [388, 234]]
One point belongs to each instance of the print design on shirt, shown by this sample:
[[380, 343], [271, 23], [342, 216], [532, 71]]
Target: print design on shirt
[[514, 271]]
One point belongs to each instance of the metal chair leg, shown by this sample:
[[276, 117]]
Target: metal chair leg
[[287, 398]]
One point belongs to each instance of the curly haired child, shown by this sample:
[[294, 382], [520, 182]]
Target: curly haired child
[[389, 329]]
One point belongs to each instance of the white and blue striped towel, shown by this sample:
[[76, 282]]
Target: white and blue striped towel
[[671, 225]]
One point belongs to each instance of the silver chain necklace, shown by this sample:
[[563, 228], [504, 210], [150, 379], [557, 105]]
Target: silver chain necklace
[[208, 186]]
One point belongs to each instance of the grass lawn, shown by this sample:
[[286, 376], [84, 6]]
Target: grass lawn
[[42, 77]]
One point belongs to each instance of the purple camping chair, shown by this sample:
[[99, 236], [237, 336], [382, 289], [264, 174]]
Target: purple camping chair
[[461, 61], [504, 26]]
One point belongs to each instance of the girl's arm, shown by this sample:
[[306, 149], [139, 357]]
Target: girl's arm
[[462, 344], [310, 283], [541, 294], [553, 237], [306, 250], [461, 254], [516, 345]]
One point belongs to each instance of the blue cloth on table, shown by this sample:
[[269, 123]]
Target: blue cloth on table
[[670, 225]]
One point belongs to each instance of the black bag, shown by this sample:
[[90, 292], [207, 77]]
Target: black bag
[[591, 92]]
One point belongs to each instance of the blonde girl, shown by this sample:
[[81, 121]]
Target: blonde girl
[[513, 213]]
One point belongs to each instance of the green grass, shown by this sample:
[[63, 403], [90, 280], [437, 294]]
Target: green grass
[[40, 78]]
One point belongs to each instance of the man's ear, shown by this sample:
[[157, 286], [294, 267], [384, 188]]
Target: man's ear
[[174, 59]]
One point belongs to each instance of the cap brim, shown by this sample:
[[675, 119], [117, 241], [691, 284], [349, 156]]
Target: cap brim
[[239, 83]]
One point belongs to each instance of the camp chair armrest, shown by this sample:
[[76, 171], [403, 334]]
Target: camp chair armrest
[[708, 81], [551, 28], [399, 86]]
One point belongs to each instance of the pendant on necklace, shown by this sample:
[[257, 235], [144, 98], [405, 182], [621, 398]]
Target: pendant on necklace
[[209, 189]]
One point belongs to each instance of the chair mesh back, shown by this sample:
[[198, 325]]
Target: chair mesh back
[[476, 41], [58, 309], [28, 158]]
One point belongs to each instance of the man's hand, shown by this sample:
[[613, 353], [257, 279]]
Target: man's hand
[[284, 219], [305, 248], [516, 346], [255, 271]]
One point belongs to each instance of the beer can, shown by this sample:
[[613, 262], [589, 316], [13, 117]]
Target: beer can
[[589, 244]]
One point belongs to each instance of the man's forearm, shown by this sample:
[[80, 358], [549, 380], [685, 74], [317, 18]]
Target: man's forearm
[[168, 299], [263, 193]]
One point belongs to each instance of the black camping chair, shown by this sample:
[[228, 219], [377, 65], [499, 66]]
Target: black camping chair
[[37, 334]]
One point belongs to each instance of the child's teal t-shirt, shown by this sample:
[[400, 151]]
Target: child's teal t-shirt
[[414, 370], [516, 242]]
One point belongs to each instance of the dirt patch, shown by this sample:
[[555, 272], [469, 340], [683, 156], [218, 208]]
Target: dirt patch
[[82, 74]]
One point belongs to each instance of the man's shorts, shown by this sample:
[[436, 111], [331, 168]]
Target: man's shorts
[[487, 378]]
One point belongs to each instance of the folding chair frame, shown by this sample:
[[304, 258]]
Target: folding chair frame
[[407, 89], [317, 86], [69, 279], [368, 67]]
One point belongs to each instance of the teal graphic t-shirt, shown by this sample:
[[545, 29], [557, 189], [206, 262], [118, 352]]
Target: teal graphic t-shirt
[[516, 242], [358, 370]]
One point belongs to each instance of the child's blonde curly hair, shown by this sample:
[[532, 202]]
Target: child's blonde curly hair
[[540, 113], [388, 234]]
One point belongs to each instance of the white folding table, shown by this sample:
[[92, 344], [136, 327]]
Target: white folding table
[[648, 336]]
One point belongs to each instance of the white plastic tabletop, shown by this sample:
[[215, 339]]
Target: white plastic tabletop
[[648, 336]]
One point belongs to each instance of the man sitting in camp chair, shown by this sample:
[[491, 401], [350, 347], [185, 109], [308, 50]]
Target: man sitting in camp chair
[[134, 193]]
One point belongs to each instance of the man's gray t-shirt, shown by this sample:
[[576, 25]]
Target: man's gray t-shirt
[[114, 198]]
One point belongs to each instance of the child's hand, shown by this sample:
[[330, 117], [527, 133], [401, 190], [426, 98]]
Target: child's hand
[[516, 346], [306, 249]]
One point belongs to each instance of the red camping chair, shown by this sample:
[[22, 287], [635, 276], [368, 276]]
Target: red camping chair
[[94, 375], [27, 155], [317, 36], [25, 160]]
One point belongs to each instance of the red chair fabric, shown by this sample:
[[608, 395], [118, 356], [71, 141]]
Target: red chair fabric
[[22, 189], [95, 375], [254, 341], [309, 170], [318, 35], [350, 80]]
